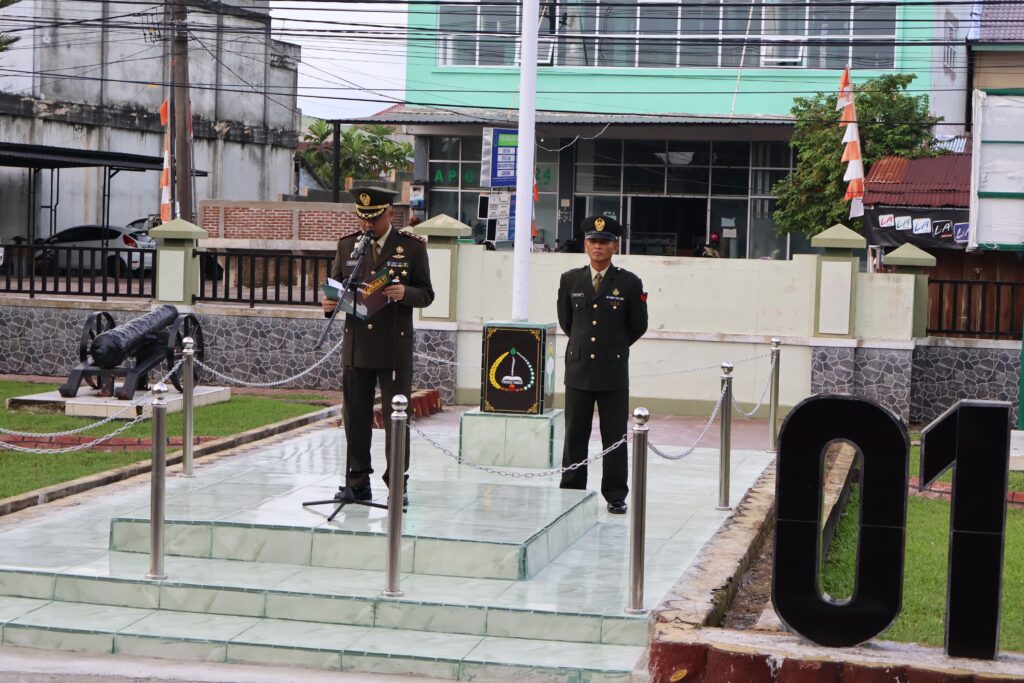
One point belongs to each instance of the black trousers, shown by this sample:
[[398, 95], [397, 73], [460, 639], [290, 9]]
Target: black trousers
[[358, 386], [613, 410]]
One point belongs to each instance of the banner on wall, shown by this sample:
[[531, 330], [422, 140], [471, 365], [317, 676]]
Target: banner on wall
[[924, 227]]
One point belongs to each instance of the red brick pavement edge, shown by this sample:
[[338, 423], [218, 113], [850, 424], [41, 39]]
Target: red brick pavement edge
[[943, 491]]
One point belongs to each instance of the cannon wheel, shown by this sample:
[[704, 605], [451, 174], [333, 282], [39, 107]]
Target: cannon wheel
[[187, 325], [95, 325]]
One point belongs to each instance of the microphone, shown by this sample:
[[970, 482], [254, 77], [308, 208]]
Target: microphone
[[361, 243]]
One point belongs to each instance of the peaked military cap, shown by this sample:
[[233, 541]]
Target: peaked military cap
[[371, 201], [601, 228]]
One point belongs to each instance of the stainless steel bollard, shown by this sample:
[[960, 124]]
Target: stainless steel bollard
[[158, 484], [396, 492], [638, 500], [725, 442], [773, 406], [188, 375]]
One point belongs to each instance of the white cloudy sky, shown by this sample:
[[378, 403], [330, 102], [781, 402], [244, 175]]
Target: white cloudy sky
[[339, 67]]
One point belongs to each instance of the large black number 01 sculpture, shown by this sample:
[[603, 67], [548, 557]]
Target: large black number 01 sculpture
[[974, 438], [881, 439]]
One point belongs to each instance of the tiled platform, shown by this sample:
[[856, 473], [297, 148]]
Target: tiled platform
[[471, 530], [88, 402], [62, 587]]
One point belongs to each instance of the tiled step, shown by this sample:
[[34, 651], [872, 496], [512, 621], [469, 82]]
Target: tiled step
[[500, 532], [335, 596], [212, 638]]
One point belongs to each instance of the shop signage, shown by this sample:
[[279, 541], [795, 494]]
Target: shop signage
[[498, 157]]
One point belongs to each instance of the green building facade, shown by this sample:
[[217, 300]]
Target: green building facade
[[671, 117]]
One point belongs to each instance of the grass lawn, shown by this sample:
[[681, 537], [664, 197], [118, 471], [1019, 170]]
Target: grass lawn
[[20, 472], [924, 579]]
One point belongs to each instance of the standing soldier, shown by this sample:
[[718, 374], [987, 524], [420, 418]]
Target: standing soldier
[[379, 349], [603, 309]]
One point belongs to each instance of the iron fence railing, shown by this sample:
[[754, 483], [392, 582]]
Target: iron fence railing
[[81, 271], [974, 308], [261, 277]]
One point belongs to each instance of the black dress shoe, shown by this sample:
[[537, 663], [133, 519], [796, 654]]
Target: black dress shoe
[[617, 507], [362, 493]]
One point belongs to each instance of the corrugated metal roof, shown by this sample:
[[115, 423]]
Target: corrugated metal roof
[[934, 181], [958, 144], [403, 113], [1002, 23]]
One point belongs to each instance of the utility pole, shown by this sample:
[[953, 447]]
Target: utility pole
[[524, 160], [181, 113]]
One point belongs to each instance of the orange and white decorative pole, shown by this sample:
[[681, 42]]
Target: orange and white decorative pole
[[851, 151]]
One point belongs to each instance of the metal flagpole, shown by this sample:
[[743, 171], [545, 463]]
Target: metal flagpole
[[524, 160]]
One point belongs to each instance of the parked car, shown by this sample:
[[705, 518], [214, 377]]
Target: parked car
[[89, 239]]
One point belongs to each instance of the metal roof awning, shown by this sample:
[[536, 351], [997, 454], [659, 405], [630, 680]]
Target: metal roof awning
[[18, 155], [406, 114]]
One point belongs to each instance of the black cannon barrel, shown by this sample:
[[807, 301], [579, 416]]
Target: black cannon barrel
[[109, 349]]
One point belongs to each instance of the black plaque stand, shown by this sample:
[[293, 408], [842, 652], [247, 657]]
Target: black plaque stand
[[344, 497]]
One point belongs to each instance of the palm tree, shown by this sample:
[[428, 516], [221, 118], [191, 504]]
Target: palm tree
[[6, 40]]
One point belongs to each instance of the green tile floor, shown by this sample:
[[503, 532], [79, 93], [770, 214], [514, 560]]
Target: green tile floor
[[561, 618]]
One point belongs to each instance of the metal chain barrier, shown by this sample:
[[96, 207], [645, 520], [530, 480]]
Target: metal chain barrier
[[513, 473], [764, 392], [700, 439], [78, 430], [78, 447], [265, 385]]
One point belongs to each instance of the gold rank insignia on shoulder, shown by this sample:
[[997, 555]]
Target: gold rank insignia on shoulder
[[598, 224], [364, 199]]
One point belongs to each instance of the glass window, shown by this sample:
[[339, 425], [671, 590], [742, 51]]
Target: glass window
[[444, 202], [773, 154], [591, 178], [444, 148], [547, 177], [578, 19], [617, 29], [684, 180], [784, 22], [500, 22], [471, 146], [873, 20], [764, 242], [599, 151], [689, 153], [471, 175], [644, 179], [700, 25], [457, 42], [741, 26], [731, 154], [658, 26], [469, 206], [729, 220], [444, 174], [726, 180], [546, 213], [645, 152], [829, 19], [764, 181]]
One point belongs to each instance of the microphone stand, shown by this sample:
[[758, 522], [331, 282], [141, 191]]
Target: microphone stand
[[351, 285]]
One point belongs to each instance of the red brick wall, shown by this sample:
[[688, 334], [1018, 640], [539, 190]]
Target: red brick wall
[[276, 220]]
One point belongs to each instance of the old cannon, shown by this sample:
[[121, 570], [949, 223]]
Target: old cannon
[[107, 351]]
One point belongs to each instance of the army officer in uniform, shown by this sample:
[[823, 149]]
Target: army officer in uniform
[[378, 350], [603, 309]]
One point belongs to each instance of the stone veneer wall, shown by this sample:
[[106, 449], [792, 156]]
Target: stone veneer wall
[[919, 384], [943, 374], [44, 341]]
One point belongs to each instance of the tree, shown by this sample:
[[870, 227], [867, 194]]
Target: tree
[[6, 39], [366, 151], [891, 122]]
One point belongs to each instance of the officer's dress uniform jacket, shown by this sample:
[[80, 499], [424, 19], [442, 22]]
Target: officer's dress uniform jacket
[[380, 349], [601, 326]]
